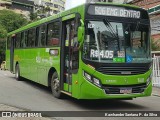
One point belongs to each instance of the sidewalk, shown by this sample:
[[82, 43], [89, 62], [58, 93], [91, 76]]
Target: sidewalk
[[4, 108], [156, 91]]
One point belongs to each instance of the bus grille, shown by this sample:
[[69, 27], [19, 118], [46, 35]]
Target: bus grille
[[116, 89], [125, 70]]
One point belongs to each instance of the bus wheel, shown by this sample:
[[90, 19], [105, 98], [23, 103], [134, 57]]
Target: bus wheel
[[17, 72], [55, 86]]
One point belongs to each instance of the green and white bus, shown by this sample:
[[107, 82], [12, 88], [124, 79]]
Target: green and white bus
[[93, 51]]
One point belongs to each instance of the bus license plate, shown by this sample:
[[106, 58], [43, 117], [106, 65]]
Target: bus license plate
[[126, 90]]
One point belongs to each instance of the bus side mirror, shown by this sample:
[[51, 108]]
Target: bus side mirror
[[80, 34]]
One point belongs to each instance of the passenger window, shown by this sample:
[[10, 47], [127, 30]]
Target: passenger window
[[53, 34], [31, 37], [26, 38], [18, 39], [37, 36], [23, 45], [42, 36]]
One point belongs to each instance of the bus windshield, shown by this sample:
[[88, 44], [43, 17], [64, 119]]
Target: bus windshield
[[108, 41]]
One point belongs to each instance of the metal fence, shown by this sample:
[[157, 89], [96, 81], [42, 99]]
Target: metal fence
[[156, 70]]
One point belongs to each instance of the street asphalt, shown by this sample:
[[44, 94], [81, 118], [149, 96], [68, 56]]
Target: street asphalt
[[29, 96]]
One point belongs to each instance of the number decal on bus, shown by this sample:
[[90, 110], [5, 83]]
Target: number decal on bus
[[101, 53]]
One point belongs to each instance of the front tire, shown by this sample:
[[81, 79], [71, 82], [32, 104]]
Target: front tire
[[55, 86]]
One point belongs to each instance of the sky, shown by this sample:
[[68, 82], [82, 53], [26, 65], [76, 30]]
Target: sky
[[73, 3]]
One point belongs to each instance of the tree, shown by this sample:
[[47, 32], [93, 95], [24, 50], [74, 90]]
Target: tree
[[2, 49], [3, 32], [11, 20], [155, 45], [33, 16]]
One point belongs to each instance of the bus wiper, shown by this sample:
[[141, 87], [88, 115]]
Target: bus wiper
[[109, 26], [118, 38], [114, 34]]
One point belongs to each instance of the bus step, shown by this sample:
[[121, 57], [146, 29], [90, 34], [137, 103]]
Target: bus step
[[65, 92]]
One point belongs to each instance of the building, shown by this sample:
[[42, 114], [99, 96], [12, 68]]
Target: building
[[23, 7], [153, 7], [53, 6], [5, 4]]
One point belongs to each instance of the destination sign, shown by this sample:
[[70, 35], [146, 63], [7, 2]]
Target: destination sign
[[113, 11]]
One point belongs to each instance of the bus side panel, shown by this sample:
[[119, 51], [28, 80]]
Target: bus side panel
[[32, 65], [41, 66], [35, 63], [8, 59], [18, 56], [77, 79], [50, 61], [23, 66], [29, 65]]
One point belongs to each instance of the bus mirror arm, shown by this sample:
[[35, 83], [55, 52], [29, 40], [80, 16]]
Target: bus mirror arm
[[82, 23], [80, 34], [80, 45], [81, 31]]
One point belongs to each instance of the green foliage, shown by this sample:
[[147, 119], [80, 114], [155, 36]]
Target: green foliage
[[154, 45], [11, 20], [33, 16], [42, 12], [2, 49], [3, 31]]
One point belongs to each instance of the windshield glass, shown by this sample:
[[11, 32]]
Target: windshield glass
[[116, 42]]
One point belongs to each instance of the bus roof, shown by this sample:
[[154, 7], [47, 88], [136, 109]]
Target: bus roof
[[64, 13]]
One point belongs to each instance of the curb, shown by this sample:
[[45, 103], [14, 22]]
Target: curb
[[156, 95]]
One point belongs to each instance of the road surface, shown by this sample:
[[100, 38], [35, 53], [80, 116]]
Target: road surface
[[30, 96]]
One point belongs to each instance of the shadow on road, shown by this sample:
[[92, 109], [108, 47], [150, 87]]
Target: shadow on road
[[107, 104], [92, 104]]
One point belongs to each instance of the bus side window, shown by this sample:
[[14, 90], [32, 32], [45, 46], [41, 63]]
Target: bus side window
[[37, 36], [77, 24], [53, 34], [31, 37], [26, 38], [18, 39], [74, 29], [42, 36], [74, 46], [23, 45]]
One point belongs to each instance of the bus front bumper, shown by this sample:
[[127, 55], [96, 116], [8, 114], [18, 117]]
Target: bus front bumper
[[90, 91]]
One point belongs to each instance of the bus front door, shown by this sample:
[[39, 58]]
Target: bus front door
[[69, 55]]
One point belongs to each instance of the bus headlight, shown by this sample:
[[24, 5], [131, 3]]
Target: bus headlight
[[92, 79], [148, 80], [96, 82], [87, 76]]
